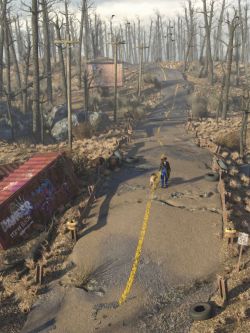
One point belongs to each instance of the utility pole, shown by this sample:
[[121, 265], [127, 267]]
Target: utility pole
[[141, 48], [67, 42], [116, 43]]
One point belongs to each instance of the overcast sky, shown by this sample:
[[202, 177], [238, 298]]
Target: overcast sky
[[134, 8]]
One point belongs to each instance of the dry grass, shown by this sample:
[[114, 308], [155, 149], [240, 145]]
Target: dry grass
[[83, 276], [230, 140]]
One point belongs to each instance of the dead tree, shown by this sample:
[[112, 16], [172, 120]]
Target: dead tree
[[232, 25], [26, 58], [208, 26], [61, 58], [8, 91], [3, 5], [36, 83], [19, 37], [13, 55], [245, 104], [218, 34], [80, 46], [86, 53], [189, 17], [47, 48]]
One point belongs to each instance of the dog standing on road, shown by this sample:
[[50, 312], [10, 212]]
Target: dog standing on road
[[152, 180]]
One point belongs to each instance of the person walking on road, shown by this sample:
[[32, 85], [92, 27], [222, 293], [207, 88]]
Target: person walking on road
[[165, 171]]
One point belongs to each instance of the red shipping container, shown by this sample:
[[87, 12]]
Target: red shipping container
[[31, 195]]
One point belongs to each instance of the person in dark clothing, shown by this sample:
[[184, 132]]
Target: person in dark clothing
[[165, 171]]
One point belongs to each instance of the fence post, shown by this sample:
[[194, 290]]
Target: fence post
[[223, 288]]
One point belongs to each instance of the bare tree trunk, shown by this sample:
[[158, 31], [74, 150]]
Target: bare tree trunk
[[217, 54], [86, 51], [19, 38], [245, 104], [61, 59], [208, 25], [190, 32], [8, 72], [2, 32], [36, 83], [14, 57], [237, 56], [47, 55], [232, 26], [80, 47], [26, 71]]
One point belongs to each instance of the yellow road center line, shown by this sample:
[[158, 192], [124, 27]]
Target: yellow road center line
[[137, 256], [138, 250]]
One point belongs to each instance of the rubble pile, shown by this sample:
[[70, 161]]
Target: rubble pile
[[89, 148], [209, 134]]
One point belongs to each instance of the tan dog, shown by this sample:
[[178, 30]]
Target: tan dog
[[152, 180]]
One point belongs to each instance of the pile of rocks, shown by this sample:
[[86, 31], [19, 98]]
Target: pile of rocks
[[210, 135], [89, 148]]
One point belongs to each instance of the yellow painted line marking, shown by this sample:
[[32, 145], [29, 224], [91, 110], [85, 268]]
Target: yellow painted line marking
[[138, 252], [139, 246]]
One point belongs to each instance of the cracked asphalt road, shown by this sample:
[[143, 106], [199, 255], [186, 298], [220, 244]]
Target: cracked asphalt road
[[180, 256]]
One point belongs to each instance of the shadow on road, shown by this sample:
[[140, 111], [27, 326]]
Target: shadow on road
[[116, 181], [179, 180]]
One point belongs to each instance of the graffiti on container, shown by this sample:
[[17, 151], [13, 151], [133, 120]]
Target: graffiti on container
[[23, 211], [46, 188], [22, 227]]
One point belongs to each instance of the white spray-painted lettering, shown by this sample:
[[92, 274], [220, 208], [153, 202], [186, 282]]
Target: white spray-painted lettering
[[24, 210]]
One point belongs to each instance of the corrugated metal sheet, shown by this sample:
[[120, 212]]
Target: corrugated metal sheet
[[6, 169], [31, 194]]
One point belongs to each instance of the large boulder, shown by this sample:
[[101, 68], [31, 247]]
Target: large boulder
[[99, 121], [57, 114], [60, 129]]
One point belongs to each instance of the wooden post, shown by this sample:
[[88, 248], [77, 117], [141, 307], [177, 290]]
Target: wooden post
[[115, 45], [141, 48], [74, 235], [39, 273], [240, 256], [223, 288]]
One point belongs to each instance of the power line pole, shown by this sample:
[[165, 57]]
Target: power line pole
[[67, 42], [141, 48], [116, 43]]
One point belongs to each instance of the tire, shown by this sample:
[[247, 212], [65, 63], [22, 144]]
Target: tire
[[212, 176], [201, 311]]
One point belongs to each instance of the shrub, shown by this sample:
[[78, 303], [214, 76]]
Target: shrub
[[148, 78], [83, 130], [199, 106], [157, 83], [199, 110], [229, 140]]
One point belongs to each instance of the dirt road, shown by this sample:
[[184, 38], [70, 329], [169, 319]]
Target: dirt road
[[181, 252]]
